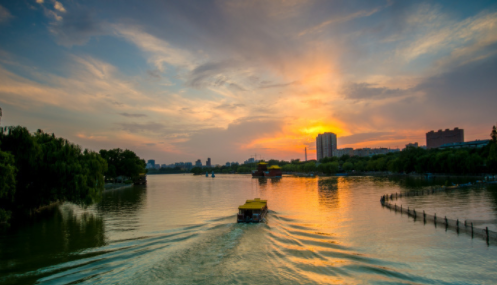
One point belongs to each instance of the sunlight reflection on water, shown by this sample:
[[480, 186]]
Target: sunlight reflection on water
[[180, 229]]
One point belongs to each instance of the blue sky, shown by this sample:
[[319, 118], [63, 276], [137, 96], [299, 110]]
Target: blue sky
[[182, 80]]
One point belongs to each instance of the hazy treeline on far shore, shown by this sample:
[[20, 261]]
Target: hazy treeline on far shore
[[411, 159], [38, 169]]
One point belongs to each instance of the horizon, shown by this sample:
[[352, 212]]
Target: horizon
[[179, 81]]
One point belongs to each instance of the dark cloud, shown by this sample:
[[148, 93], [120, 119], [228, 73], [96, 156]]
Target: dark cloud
[[266, 85], [210, 74], [357, 138], [154, 73], [465, 97], [132, 115], [150, 144], [77, 26], [229, 107], [366, 91], [235, 87], [227, 142], [145, 127]]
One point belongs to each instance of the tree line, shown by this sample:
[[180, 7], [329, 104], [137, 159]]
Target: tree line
[[37, 169], [411, 159]]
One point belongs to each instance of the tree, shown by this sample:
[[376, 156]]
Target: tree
[[348, 166], [8, 173], [50, 169], [493, 135], [122, 163]]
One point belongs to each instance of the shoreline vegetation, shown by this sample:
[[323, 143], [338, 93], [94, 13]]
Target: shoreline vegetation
[[39, 170]]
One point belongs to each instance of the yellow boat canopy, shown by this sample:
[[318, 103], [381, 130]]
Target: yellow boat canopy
[[274, 167], [261, 162], [256, 204]]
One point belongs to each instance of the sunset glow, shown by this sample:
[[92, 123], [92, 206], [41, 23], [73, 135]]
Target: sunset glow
[[228, 80]]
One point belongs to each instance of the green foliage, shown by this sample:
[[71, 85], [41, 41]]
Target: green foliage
[[493, 135], [348, 166], [197, 170], [48, 169], [8, 173], [329, 167], [492, 158], [122, 163]]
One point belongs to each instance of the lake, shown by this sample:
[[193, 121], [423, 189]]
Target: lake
[[181, 229]]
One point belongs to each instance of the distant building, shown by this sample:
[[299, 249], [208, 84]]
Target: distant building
[[234, 163], [250, 160], [436, 139], [344, 151], [412, 145], [188, 165], [198, 163], [151, 161], [0, 115], [163, 165], [326, 145], [157, 166], [305, 150], [472, 144], [208, 163], [228, 164]]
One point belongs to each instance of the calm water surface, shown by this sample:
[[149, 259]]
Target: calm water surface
[[180, 229]]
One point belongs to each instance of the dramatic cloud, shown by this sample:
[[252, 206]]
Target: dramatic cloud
[[181, 80], [76, 27]]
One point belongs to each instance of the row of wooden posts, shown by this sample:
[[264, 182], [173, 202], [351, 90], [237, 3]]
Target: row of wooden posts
[[485, 233]]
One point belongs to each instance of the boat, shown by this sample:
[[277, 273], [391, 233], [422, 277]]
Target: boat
[[253, 211], [213, 174], [264, 171]]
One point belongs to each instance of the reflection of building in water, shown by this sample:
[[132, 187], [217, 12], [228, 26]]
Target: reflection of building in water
[[328, 192]]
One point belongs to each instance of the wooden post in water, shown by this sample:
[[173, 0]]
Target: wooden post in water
[[435, 219], [488, 238], [446, 223], [424, 216], [457, 225], [414, 210], [471, 229]]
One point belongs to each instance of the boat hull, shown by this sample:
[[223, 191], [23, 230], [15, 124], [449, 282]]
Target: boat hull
[[244, 220]]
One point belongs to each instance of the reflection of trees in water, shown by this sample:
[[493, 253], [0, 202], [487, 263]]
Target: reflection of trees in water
[[131, 199], [49, 239], [417, 182], [328, 192], [492, 193]]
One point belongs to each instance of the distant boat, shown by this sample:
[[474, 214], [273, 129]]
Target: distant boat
[[206, 174], [264, 171], [213, 174]]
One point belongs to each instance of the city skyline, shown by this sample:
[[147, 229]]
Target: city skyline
[[180, 80]]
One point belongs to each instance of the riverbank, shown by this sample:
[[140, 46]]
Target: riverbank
[[117, 186]]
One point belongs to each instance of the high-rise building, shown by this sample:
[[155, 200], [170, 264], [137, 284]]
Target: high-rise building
[[436, 139], [326, 145], [305, 154], [208, 163], [198, 163], [412, 145], [228, 164]]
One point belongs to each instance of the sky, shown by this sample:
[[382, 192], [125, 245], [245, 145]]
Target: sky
[[186, 80]]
